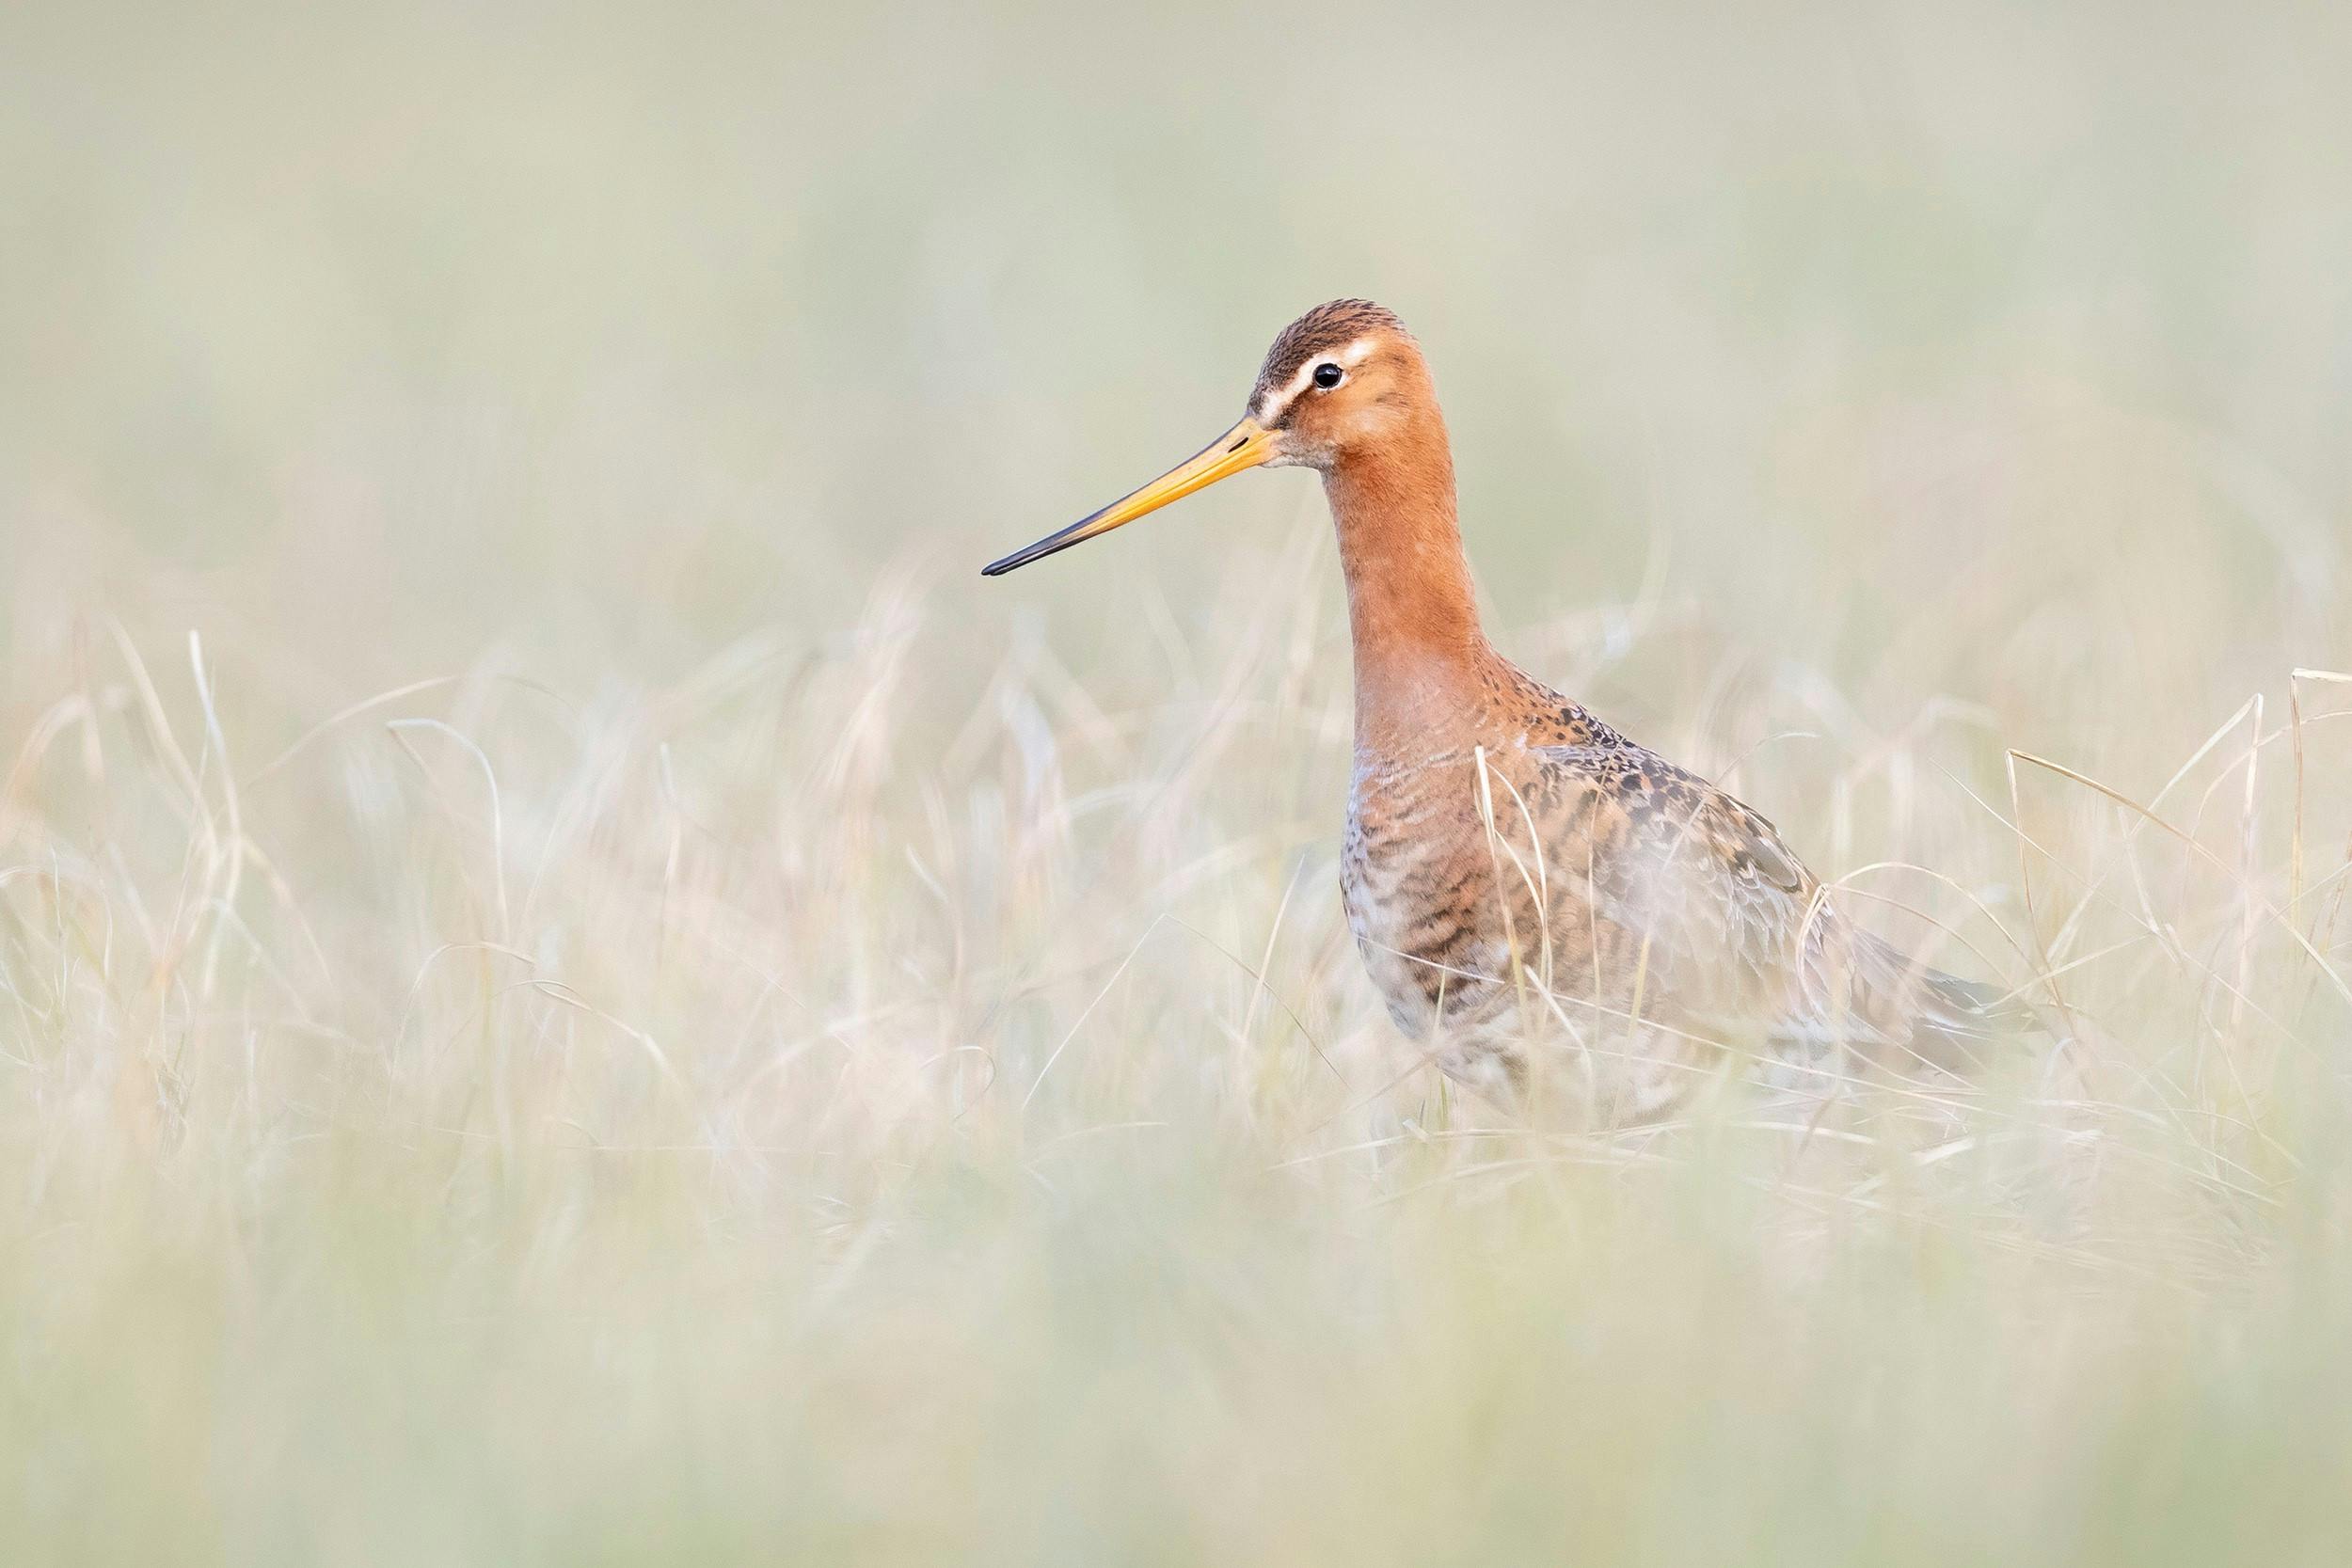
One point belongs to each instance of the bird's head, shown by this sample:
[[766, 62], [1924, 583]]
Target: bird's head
[[1343, 378]]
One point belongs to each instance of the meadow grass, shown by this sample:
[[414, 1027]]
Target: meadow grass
[[574, 988], [494, 1129]]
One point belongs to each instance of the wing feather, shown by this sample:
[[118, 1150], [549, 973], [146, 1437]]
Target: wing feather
[[1735, 931]]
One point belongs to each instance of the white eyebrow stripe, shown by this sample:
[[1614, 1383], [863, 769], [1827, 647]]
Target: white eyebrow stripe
[[1271, 406]]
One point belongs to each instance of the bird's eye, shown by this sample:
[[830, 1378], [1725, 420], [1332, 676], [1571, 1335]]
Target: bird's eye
[[1328, 375]]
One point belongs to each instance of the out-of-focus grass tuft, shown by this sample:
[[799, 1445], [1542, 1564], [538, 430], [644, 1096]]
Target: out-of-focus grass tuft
[[716, 1125], [574, 988]]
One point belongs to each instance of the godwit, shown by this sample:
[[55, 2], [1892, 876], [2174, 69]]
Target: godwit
[[1526, 885]]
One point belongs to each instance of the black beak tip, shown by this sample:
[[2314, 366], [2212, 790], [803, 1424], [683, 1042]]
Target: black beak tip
[[1038, 551]]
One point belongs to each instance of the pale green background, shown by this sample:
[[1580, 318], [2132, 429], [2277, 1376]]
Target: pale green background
[[763, 1059]]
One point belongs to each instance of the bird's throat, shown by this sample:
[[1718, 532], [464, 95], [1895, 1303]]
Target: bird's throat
[[1412, 609]]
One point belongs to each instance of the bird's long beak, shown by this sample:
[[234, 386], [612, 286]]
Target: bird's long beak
[[1245, 446]]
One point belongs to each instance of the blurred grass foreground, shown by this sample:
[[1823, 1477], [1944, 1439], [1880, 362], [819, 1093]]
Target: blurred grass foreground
[[575, 990]]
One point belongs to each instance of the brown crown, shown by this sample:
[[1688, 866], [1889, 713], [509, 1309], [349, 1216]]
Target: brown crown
[[1319, 331]]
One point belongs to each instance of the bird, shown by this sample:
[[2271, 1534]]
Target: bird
[[1556, 916]]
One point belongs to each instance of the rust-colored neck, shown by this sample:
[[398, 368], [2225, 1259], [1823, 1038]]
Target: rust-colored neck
[[1420, 653]]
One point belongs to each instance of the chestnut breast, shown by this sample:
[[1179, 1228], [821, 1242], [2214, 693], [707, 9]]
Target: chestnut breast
[[1417, 878]]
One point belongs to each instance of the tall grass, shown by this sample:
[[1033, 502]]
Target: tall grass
[[574, 988]]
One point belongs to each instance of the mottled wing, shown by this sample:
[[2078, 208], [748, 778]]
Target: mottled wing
[[1727, 930]]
